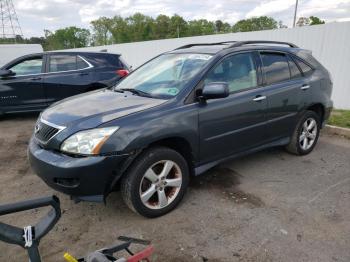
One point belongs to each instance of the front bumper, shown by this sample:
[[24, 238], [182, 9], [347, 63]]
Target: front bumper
[[83, 178]]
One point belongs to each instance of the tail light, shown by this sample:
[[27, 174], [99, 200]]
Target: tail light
[[122, 72]]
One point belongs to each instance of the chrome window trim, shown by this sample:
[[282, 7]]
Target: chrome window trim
[[60, 129], [74, 70]]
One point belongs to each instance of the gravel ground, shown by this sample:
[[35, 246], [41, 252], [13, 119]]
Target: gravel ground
[[269, 206]]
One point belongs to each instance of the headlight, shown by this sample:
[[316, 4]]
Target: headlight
[[87, 142]]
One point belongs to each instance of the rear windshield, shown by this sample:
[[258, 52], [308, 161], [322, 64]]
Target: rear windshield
[[166, 75]]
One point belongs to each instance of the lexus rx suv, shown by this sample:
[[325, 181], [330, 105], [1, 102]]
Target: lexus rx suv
[[33, 82], [177, 116]]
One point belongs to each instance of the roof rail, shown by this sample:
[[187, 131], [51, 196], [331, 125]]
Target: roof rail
[[240, 43], [204, 44]]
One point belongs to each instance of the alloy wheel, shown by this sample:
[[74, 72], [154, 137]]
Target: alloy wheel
[[160, 184], [308, 134]]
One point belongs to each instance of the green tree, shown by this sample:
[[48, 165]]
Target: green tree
[[200, 27], [101, 29], [303, 21], [255, 24], [140, 27], [162, 27], [314, 20], [70, 37], [226, 28], [178, 26], [219, 25], [119, 30]]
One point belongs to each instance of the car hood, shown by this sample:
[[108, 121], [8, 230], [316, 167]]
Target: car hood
[[95, 108]]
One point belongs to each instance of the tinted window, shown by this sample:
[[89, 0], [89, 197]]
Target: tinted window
[[28, 67], [238, 71], [275, 67], [60, 63], [81, 64], [304, 67], [294, 70]]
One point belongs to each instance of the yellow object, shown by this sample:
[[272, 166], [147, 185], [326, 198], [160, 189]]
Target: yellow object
[[69, 258]]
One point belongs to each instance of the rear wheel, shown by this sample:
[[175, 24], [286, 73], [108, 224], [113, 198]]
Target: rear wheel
[[305, 135], [156, 182]]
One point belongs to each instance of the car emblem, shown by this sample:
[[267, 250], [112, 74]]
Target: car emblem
[[37, 128]]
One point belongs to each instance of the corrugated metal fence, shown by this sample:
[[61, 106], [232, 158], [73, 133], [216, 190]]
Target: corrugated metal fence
[[330, 44]]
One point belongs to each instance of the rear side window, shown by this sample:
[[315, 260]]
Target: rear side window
[[59, 63], [294, 70], [81, 63], [304, 67], [276, 67]]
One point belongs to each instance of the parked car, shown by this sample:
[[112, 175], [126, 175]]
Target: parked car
[[178, 115], [33, 82]]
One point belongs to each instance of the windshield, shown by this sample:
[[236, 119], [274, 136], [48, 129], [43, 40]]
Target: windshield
[[164, 76]]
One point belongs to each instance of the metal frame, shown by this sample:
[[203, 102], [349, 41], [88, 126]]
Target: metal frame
[[204, 44], [239, 43]]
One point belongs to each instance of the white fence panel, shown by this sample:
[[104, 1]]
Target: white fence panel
[[10, 52]]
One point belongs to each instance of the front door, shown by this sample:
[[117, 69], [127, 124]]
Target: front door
[[24, 90], [236, 123]]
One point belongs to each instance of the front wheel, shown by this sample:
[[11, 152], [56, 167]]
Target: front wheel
[[156, 182], [306, 134]]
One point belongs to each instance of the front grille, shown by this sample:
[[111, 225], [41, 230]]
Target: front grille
[[44, 132]]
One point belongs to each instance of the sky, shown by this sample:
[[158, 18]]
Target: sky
[[36, 15]]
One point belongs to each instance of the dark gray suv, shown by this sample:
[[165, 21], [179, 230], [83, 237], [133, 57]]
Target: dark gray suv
[[178, 115]]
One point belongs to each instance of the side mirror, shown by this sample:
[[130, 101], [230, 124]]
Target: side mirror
[[5, 73], [215, 90]]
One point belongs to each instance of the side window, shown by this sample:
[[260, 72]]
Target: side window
[[276, 67], [81, 64], [238, 71], [28, 67], [304, 67], [60, 63], [294, 70]]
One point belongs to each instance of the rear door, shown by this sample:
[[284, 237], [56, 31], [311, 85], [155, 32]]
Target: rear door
[[24, 90], [67, 75], [236, 123], [283, 82]]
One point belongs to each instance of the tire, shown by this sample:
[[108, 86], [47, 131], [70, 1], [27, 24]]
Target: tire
[[147, 183], [304, 131]]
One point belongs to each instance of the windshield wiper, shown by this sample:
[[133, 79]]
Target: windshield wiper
[[135, 91]]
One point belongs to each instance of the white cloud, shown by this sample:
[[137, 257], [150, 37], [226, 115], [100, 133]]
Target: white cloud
[[270, 7]]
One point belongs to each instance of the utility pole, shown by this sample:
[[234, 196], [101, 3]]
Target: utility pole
[[9, 25], [295, 13], [178, 31]]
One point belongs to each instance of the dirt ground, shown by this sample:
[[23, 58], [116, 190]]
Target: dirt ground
[[269, 206]]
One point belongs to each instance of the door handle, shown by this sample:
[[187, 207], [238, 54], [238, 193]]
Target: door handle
[[259, 98], [36, 78], [305, 87]]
